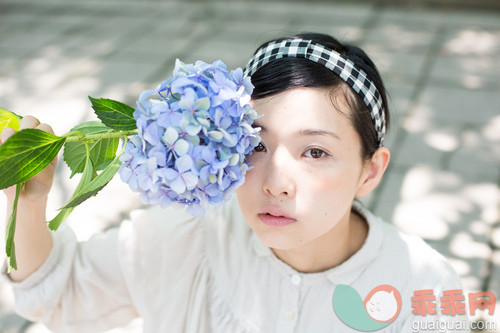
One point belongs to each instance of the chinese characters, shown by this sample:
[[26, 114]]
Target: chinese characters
[[452, 302]]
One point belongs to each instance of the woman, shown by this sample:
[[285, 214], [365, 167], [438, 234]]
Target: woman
[[289, 255]]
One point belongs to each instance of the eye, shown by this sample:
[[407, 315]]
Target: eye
[[315, 153], [260, 148]]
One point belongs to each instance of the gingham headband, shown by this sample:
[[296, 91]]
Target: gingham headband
[[356, 78]]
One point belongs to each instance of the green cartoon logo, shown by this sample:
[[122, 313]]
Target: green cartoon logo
[[380, 307]]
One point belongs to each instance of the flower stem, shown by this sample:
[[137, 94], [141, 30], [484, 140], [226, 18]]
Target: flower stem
[[77, 136]]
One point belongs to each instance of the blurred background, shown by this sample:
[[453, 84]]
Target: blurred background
[[440, 60]]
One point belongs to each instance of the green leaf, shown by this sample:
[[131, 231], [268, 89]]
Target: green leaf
[[10, 248], [102, 151], [93, 187], [8, 119], [114, 114], [87, 176], [25, 154]]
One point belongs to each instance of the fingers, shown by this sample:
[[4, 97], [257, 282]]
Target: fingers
[[6, 133], [46, 128], [28, 122]]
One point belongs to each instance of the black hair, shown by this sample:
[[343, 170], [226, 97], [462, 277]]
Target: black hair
[[289, 72]]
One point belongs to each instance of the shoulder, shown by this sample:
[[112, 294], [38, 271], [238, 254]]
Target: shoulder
[[227, 222], [228, 237], [142, 221], [154, 228], [409, 256], [156, 231], [166, 241], [422, 258], [407, 263]]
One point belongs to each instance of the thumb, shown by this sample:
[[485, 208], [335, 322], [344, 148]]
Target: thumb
[[10, 193], [6, 133]]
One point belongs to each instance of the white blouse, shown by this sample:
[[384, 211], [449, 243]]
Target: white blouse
[[212, 274]]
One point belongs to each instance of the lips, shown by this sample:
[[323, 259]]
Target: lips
[[276, 217]]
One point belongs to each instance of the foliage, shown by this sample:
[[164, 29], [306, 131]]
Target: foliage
[[188, 146]]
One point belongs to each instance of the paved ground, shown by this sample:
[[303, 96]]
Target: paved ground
[[441, 68]]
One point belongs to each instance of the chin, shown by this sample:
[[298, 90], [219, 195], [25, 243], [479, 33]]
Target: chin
[[277, 240]]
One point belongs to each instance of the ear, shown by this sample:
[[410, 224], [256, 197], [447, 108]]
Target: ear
[[374, 170]]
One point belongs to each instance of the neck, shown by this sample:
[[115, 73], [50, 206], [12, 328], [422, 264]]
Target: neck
[[331, 249]]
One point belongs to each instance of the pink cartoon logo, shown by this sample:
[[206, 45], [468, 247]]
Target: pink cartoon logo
[[383, 303]]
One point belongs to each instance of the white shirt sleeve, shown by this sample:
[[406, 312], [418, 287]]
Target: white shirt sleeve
[[79, 286], [150, 267]]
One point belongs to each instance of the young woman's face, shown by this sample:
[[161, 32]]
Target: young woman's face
[[306, 171]]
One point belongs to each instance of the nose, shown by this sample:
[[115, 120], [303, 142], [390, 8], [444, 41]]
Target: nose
[[279, 179]]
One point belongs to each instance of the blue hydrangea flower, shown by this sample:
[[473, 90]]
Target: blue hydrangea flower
[[194, 133]]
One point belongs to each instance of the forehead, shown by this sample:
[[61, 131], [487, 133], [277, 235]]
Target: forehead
[[317, 107]]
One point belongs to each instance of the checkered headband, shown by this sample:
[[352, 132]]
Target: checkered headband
[[356, 78]]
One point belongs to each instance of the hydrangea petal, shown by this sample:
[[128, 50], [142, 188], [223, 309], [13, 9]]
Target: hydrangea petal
[[190, 179], [181, 147], [192, 129], [169, 174], [203, 122], [188, 99], [125, 173], [234, 160], [153, 133], [178, 185], [184, 163], [145, 94], [202, 103], [171, 135], [216, 135]]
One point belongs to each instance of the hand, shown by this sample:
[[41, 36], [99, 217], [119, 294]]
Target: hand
[[39, 186]]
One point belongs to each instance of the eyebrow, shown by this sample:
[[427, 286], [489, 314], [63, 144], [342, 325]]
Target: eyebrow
[[306, 131], [314, 132]]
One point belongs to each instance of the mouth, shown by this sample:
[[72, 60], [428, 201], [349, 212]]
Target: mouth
[[276, 218]]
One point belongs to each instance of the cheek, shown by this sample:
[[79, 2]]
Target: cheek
[[325, 192], [246, 193], [251, 180], [321, 181], [254, 175]]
